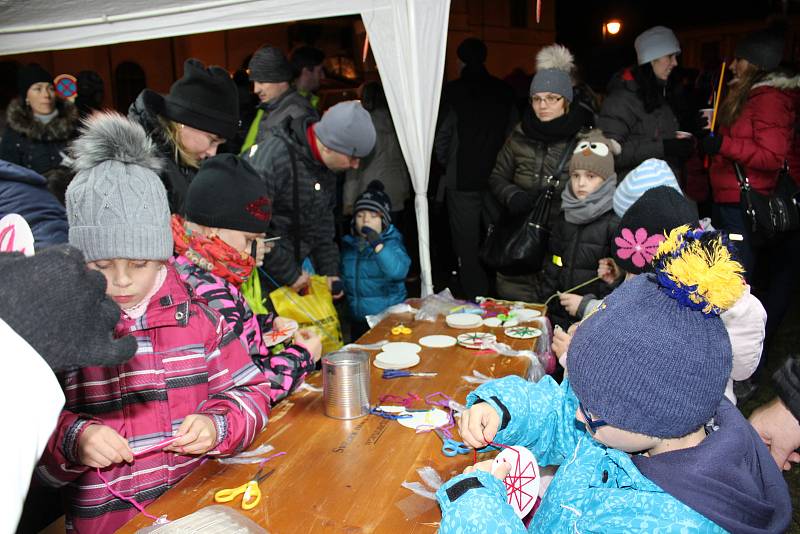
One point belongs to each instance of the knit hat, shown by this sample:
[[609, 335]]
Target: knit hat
[[552, 81], [61, 309], [593, 153], [269, 65], [347, 128], [375, 199], [116, 204], [649, 174], [645, 224], [762, 48], [205, 99], [655, 357], [306, 57], [654, 43], [472, 51], [228, 193], [29, 75]]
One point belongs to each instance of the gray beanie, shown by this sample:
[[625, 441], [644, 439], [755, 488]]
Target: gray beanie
[[552, 81], [116, 204], [658, 41], [269, 65], [347, 128], [762, 48]]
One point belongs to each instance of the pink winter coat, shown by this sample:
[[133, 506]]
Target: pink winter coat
[[188, 361], [760, 139]]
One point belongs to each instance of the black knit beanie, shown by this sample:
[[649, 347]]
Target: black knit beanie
[[205, 99], [29, 75], [374, 199], [269, 65], [762, 48], [472, 51], [60, 307], [228, 193]]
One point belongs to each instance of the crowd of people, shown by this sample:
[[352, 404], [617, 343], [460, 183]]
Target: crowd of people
[[186, 217]]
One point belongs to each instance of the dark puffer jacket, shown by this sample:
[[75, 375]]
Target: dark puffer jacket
[[34, 144], [317, 195], [174, 174], [574, 250], [623, 119], [290, 104]]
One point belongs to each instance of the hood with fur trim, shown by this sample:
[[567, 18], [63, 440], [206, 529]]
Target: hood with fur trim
[[780, 79], [21, 119]]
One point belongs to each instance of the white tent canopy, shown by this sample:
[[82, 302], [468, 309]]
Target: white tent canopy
[[408, 40]]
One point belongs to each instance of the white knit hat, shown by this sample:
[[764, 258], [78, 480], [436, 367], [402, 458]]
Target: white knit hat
[[654, 43]]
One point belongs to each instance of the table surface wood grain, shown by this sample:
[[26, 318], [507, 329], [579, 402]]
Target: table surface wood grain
[[345, 476]]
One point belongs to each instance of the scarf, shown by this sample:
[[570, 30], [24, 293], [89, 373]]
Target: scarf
[[45, 119], [560, 129], [212, 254], [136, 311], [584, 211]]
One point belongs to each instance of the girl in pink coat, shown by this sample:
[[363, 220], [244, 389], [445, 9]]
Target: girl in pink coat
[[191, 378]]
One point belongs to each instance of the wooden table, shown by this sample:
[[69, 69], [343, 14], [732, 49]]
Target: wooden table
[[345, 476]]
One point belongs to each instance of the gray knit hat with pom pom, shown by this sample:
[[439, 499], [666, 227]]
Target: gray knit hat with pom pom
[[116, 204]]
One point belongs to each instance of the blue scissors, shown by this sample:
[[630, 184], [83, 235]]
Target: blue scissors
[[392, 373], [451, 447]]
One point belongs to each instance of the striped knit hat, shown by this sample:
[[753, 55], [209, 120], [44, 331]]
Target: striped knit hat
[[374, 199], [649, 174]]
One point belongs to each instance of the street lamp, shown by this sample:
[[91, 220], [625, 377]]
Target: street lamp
[[612, 27]]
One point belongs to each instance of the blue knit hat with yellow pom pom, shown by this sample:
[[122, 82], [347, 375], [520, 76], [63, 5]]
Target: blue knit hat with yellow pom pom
[[655, 357]]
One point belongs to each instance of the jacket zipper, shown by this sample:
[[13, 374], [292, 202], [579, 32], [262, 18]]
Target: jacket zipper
[[570, 281]]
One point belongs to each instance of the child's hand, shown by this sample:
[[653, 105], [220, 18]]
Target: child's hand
[[311, 341], [101, 446], [561, 342], [571, 302], [336, 286], [500, 472], [373, 238], [479, 425], [608, 271], [198, 435]]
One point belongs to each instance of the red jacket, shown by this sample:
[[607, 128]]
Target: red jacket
[[188, 361], [760, 139]]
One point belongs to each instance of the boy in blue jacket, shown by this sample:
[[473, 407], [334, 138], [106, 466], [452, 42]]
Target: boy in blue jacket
[[374, 260], [641, 430]]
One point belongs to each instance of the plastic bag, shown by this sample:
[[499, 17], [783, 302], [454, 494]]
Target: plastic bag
[[372, 320], [432, 482], [313, 310], [208, 520], [440, 303], [251, 289]]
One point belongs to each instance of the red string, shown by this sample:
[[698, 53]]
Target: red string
[[514, 483]]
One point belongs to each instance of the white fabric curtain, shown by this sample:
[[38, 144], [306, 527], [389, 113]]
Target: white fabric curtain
[[408, 39]]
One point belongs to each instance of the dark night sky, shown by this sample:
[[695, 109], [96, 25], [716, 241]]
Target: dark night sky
[[579, 22]]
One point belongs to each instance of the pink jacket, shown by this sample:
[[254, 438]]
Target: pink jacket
[[188, 361]]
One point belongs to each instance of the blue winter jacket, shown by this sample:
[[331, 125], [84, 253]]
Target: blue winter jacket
[[24, 192], [372, 282], [598, 489]]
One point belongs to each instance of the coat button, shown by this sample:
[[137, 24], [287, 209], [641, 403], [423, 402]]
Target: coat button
[[179, 315]]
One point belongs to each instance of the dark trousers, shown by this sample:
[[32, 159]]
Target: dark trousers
[[464, 212]]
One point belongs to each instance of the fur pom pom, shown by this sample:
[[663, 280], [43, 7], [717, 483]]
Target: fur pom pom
[[555, 56], [110, 136], [695, 268]]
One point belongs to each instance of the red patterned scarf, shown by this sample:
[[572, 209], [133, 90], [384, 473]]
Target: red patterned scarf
[[212, 253]]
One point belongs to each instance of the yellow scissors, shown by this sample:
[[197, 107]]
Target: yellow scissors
[[401, 329], [252, 493]]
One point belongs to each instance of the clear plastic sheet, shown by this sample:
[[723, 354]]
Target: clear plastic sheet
[[431, 479], [214, 519], [441, 303], [372, 320], [248, 457]]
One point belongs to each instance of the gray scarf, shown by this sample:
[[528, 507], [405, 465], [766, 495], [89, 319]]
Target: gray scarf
[[583, 211]]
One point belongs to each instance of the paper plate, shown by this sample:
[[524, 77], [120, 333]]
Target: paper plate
[[401, 346], [437, 341], [396, 360], [523, 332], [522, 484], [433, 418], [16, 235], [276, 336], [476, 340], [526, 314], [492, 322], [463, 320]]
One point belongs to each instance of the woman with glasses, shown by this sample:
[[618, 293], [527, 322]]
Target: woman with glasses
[[530, 155], [636, 113], [189, 124]]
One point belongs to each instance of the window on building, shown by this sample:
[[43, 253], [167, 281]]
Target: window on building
[[519, 13]]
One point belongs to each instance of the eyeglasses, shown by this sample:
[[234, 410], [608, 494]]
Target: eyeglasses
[[549, 100], [594, 424]]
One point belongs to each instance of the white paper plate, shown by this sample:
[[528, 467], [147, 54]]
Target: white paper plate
[[437, 341], [401, 346], [271, 338], [16, 235], [476, 340], [396, 360], [526, 314], [433, 418], [463, 320], [492, 322], [523, 464], [523, 332]]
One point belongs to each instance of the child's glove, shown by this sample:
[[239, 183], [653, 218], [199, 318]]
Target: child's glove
[[373, 237]]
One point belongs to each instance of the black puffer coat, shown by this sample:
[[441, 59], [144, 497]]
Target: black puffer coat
[[574, 250], [174, 174], [33, 144]]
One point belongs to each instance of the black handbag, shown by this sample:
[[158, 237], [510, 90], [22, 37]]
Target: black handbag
[[511, 247], [771, 215]]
